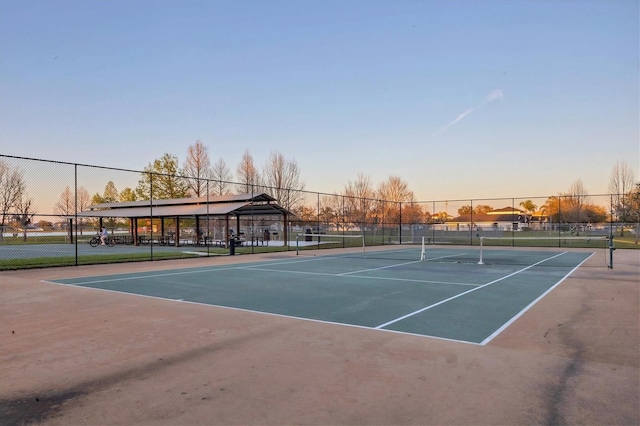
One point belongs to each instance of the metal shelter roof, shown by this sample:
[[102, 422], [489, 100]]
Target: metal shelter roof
[[237, 205]]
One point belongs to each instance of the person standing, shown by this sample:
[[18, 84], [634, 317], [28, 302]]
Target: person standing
[[103, 236]]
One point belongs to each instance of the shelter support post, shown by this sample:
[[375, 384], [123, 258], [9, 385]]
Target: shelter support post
[[176, 237], [136, 241], [286, 229], [227, 230], [177, 231]]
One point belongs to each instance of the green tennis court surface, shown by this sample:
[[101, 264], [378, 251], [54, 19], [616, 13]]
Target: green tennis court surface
[[448, 295]]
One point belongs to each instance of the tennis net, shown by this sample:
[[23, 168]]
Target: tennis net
[[495, 255], [359, 248], [488, 251], [329, 241]]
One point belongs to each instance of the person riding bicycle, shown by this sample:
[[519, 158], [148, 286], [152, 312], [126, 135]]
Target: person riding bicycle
[[103, 236]]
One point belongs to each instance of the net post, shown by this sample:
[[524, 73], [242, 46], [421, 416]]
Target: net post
[[423, 254], [480, 262], [363, 245], [297, 244], [611, 249]]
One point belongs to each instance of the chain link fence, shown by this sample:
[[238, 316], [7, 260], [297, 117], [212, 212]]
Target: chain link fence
[[46, 218]]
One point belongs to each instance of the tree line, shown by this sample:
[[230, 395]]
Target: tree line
[[15, 202], [279, 177], [360, 201]]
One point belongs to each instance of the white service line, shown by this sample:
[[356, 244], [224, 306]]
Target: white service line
[[400, 264], [361, 277], [377, 269], [444, 257]]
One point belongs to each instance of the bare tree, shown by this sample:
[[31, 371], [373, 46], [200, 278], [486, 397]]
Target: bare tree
[[577, 198], [12, 188], [84, 201], [222, 176], [197, 169], [621, 184], [329, 211], [66, 204], [281, 178], [393, 191], [24, 213], [359, 201], [248, 176]]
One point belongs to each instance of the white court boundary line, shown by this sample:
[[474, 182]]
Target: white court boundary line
[[464, 293], [530, 305]]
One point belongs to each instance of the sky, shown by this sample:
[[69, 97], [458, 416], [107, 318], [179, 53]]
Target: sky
[[460, 99]]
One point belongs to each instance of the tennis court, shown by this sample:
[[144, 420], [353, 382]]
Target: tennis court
[[532, 336], [446, 295]]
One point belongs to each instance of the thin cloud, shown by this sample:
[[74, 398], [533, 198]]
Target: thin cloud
[[494, 96], [460, 117], [491, 97]]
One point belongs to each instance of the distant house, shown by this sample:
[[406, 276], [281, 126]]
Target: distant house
[[504, 219]]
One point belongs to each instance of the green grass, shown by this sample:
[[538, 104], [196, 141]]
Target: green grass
[[53, 239], [47, 262], [626, 242]]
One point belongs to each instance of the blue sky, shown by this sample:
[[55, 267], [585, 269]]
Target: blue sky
[[461, 99]]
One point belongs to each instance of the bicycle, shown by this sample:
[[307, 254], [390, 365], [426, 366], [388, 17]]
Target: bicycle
[[95, 241]]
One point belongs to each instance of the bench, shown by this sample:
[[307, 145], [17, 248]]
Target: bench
[[123, 239], [217, 243]]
